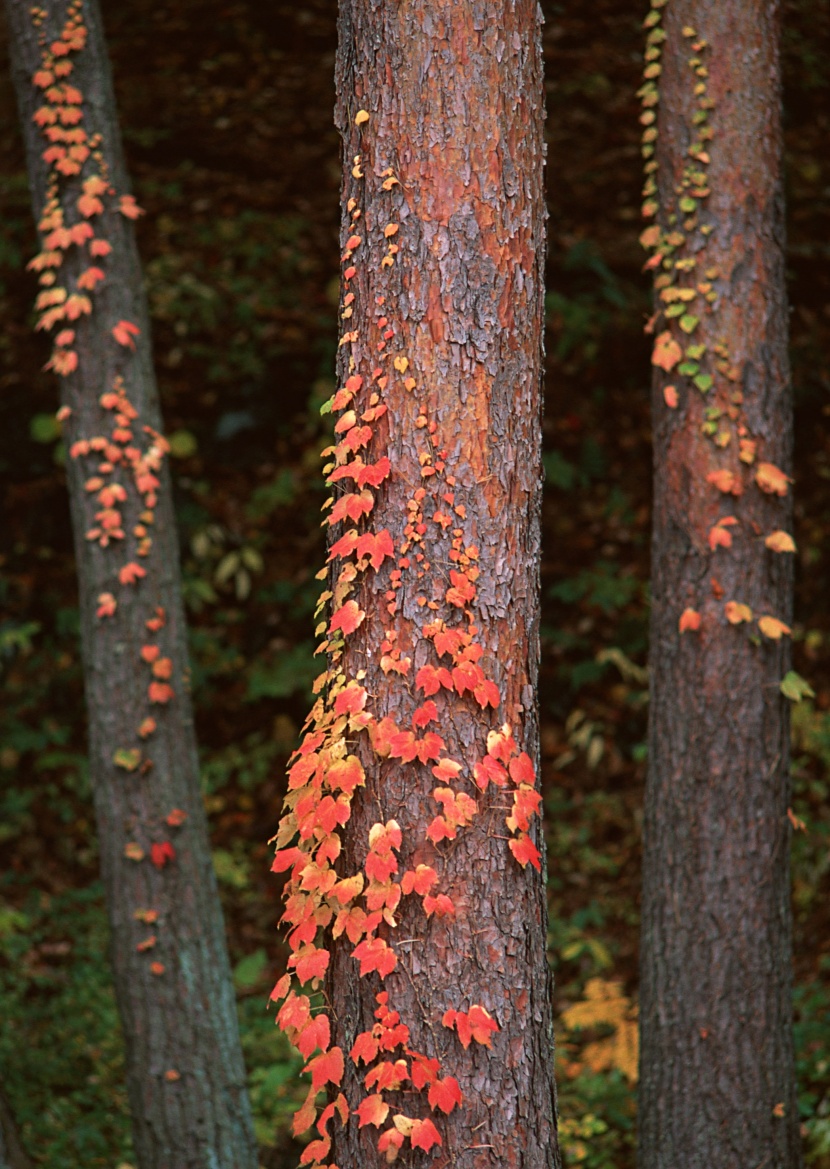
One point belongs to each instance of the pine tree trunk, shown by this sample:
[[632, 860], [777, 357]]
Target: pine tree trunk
[[440, 106], [717, 1074], [185, 1074]]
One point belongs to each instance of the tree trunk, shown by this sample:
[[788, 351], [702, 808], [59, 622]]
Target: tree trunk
[[717, 1077], [433, 634], [185, 1073]]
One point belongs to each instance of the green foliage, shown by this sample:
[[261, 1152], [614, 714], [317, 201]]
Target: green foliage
[[66, 1082]]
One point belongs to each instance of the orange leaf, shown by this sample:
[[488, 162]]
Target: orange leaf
[[689, 619], [725, 481], [106, 605], [372, 1110], [667, 352], [305, 1116], [771, 479], [670, 396], [719, 537], [128, 207], [772, 628], [737, 612]]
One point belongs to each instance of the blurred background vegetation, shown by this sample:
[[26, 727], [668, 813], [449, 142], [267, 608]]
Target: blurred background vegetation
[[226, 108]]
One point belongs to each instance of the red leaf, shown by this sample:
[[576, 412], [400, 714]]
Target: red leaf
[[377, 548], [160, 854], [326, 1068], [524, 850], [424, 1071], [160, 692], [446, 769], [419, 881], [124, 332], [310, 963], [347, 618], [316, 1033], [365, 1047], [424, 1135], [445, 1094], [390, 1143], [374, 954], [425, 714], [130, 573], [521, 769], [350, 700], [482, 1023]]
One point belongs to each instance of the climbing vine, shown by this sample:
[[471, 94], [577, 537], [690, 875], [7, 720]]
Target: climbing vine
[[689, 288], [122, 462], [428, 559]]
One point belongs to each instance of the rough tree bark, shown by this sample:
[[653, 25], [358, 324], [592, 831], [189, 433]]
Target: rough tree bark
[[185, 1073], [717, 1074], [440, 107]]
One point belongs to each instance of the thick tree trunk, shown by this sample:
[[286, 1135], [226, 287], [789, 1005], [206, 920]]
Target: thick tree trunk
[[440, 108], [185, 1073], [717, 1076]]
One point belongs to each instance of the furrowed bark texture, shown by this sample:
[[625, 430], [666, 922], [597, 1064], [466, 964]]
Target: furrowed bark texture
[[185, 1072], [717, 1075], [454, 92]]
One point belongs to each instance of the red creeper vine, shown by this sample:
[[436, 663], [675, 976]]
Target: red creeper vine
[[122, 466], [431, 561]]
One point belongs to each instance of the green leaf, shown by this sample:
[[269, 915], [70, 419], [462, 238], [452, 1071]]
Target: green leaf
[[688, 323], [183, 444], [794, 687], [44, 428], [250, 970], [703, 381], [688, 204], [688, 368]]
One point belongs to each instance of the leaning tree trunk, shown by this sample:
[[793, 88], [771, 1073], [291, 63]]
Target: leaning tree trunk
[[423, 743], [717, 1079], [185, 1074]]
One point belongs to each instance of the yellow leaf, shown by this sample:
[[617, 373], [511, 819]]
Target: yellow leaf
[[360, 117], [780, 542]]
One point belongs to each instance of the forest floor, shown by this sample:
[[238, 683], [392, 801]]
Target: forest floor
[[226, 108]]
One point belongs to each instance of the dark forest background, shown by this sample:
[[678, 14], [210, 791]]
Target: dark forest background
[[226, 110]]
